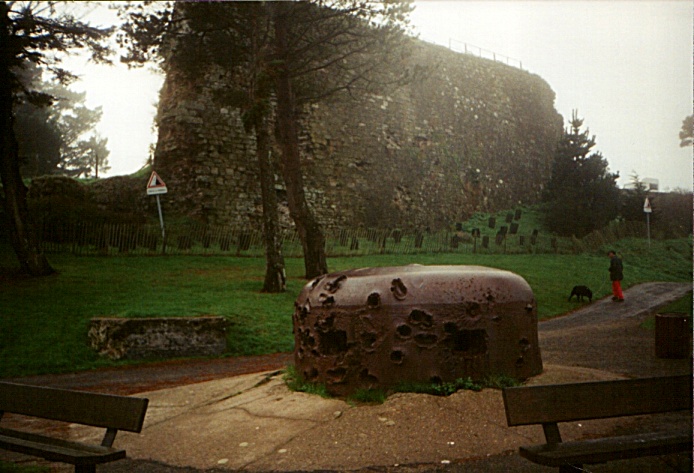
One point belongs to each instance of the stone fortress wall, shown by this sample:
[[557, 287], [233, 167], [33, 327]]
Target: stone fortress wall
[[473, 135]]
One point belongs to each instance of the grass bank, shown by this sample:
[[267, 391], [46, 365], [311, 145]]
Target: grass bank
[[43, 324]]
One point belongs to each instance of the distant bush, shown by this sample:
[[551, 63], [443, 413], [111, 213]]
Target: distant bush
[[672, 214], [60, 199]]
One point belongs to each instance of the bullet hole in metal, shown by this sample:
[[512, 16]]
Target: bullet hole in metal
[[442, 329], [337, 375], [397, 287], [333, 342], [367, 378], [450, 327], [374, 300], [326, 300], [334, 285], [426, 339], [303, 313], [421, 318], [396, 356], [307, 339], [327, 322], [315, 282], [472, 342], [310, 374], [404, 331], [368, 339], [473, 310]]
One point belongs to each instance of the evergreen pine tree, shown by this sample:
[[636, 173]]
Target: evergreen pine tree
[[582, 195]]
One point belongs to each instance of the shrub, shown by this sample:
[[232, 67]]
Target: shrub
[[445, 388], [499, 381], [369, 396], [296, 382]]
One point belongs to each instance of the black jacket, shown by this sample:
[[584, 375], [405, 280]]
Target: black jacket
[[616, 269]]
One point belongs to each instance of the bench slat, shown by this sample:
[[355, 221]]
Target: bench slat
[[56, 449], [527, 405], [609, 449], [98, 410]]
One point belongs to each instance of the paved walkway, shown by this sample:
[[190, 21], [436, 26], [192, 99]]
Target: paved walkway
[[251, 422]]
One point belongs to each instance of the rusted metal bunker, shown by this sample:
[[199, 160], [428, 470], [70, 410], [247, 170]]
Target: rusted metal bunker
[[377, 327]]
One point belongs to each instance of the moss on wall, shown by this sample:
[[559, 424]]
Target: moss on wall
[[473, 135]]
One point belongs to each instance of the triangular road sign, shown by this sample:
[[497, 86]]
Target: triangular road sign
[[647, 206], [156, 185]]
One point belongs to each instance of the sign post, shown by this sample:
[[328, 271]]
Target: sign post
[[156, 186], [647, 210]]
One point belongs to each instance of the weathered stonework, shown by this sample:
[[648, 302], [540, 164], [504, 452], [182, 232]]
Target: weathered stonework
[[473, 135], [158, 337]]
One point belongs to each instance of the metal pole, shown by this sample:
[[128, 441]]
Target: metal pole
[[163, 231], [648, 228]]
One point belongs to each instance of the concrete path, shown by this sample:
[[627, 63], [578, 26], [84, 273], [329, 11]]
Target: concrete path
[[253, 422]]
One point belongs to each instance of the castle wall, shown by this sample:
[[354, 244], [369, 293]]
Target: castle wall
[[472, 135]]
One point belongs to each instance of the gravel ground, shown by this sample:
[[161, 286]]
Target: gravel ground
[[602, 336]]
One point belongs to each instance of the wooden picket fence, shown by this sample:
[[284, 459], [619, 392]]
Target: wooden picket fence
[[84, 238]]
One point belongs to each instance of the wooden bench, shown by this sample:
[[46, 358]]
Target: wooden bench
[[548, 405], [98, 410]]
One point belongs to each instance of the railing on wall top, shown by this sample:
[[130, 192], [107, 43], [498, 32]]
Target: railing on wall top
[[467, 48]]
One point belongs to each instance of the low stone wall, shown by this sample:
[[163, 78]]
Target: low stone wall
[[157, 337]]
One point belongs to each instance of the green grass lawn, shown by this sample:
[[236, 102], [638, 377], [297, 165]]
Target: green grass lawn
[[43, 323], [680, 306]]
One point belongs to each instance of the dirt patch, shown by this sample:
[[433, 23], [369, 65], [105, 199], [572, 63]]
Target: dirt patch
[[463, 432]]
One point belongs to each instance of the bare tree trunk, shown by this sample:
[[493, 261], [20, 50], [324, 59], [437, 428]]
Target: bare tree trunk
[[22, 236], [275, 276], [312, 239]]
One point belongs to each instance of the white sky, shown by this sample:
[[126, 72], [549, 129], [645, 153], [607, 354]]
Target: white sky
[[625, 65]]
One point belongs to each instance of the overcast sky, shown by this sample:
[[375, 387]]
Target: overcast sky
[[625, 65]]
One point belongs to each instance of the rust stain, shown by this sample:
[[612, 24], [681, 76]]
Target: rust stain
[[376, 327]]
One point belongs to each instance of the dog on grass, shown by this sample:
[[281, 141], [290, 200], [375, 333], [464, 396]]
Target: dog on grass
[[580, 292]]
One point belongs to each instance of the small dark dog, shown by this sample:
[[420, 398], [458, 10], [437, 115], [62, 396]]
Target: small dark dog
[[580, 292]]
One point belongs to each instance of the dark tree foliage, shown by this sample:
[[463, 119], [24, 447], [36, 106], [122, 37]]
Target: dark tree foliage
[[672, 214], [687, 132], [301, 51], [582, 195], [233, 38], [38, 139], [32, 33], [328, 49], [50, 139]]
